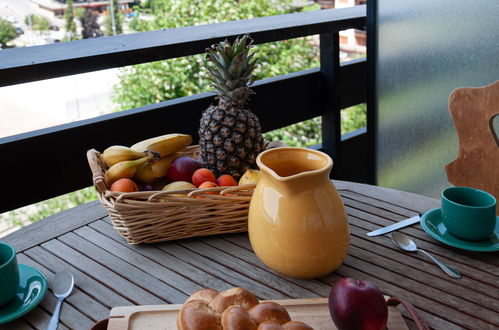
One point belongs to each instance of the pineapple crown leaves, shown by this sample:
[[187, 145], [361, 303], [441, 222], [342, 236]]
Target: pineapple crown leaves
[[231, 69]]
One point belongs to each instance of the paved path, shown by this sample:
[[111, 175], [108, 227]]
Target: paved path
[[50, 102]]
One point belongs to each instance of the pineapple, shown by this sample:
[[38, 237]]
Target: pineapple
[[230, 135]]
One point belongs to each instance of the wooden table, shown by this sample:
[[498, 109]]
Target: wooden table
[[109, 272]]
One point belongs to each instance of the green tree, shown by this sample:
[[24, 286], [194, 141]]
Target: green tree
[[309, 132], [155, 82], [38, 23], [115, 18], [7, 32], [69, 16]]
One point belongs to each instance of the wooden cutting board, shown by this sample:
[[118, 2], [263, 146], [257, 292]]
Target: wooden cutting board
[[314, 312]]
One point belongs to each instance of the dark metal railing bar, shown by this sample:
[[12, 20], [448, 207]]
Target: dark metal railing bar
[[372, 33], [330, 67], [20, 65]]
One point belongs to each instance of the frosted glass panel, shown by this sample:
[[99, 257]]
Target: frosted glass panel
[[426, 49]]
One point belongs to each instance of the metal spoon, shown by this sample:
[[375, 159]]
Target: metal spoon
[[405, 243], [61, 287]]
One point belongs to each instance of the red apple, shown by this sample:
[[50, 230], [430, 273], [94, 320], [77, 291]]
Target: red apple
[[182, 168], [357, 305]]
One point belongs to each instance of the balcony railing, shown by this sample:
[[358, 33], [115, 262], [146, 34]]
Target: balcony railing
[[49, 162]]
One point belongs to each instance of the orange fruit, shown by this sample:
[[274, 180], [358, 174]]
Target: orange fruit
[[226, 180], [208, 184], [202, 175], [124, 185]]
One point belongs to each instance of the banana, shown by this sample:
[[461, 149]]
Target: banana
[[116, 154], [164, 145], [145, 173], [160, 167], [124, 169]]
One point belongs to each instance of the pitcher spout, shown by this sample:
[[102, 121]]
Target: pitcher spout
[[294, 164]]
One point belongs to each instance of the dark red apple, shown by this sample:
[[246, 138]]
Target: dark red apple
[[357, 305], [182, 168]]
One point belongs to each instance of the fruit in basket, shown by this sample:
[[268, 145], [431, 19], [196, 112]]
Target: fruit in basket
[[358, 305], [145, 187], [144, 173], [124, 169], [226, 180], [164, 145], [250, 176], [160, 168], [207, 184], [202, 175], [230, 135], [178, 185], [124, 185], [182, 168], [116, 154]]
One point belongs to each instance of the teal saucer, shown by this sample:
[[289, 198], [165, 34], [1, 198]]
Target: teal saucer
[[31, 290], [432, 223]]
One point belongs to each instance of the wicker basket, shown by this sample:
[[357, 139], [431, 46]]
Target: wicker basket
[[156, 216]]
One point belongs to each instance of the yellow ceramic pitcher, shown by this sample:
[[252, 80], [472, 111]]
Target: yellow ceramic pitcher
[[297, 223]]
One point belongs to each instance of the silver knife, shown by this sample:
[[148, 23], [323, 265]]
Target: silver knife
[[395, 226]]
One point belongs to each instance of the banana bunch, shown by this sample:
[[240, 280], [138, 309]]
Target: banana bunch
[[150, 171], [123, 169], [145, 161], [163, 145], [116, 154]]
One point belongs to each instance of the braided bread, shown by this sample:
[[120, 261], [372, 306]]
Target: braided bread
[[233, 309]]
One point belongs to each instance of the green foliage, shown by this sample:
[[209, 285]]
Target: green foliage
[[308, 132], [159, 81], [80, 12], [7, 32], [303, 134], [353, 118], [69, 16], [39, 23]]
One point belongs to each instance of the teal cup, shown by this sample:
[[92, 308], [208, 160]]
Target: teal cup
[[468, 213], [9, 273]]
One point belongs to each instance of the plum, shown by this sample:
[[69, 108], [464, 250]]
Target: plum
[[182, 168]]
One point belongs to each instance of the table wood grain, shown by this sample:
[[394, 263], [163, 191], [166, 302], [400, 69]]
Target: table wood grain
[[109, 272]]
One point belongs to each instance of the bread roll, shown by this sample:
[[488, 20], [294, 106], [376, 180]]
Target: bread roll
[[197, 315], [233, 309], [269, 311], [269, 325], [237, 318], [233, 297], [203, 294]]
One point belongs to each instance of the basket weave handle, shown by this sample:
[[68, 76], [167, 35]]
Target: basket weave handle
[[96, 166]]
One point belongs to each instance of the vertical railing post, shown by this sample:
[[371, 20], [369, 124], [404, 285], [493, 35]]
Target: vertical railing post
[[331, 119], [372, 112]]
